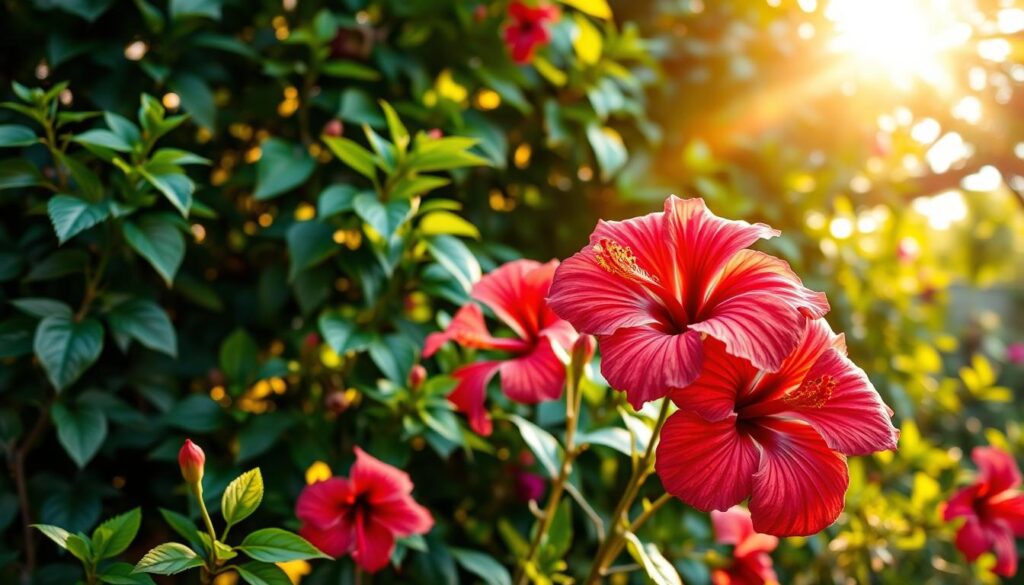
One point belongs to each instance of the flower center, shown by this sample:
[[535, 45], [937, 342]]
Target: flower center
[[811, 393], [619, 260]]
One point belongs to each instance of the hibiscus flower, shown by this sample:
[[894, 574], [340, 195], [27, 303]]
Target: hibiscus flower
[[752, 563], [780, 438], [653, 288], [528, 29], [363, 514], [515, 293], [994, 509]]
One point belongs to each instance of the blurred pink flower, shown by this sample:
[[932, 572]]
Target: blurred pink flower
[[1015, 353], [752, 564], [528, 29], [994, 509]]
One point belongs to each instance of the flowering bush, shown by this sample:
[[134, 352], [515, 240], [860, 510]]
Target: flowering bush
[[344, 248]]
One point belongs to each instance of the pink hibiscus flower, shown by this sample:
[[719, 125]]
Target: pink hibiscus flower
[[778, 438], [515, 293], [653, 288], [362, 515], [528, 29], [752, 563], [994, 509]]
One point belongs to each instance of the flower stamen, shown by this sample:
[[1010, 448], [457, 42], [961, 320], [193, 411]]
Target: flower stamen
[[812, 393]]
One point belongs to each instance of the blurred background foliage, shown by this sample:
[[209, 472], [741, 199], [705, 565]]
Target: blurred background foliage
[[195, 240]]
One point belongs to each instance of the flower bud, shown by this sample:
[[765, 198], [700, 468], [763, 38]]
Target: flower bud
[[191, 459], [334, 128], [416, 376], [435, 133], [336, 402], [583, 349]]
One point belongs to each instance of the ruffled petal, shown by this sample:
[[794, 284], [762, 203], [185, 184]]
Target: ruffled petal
[[374, 545], [708, 465], [403, 516], [335, 541], [378, 480], [467, 328], [646, 363], [704, 242], [322, 504], [714, 393], [971, 539], [838, 400], [997, 469], [516, 292], [800, 486], [759, 309], [470, 393], [534, 377]]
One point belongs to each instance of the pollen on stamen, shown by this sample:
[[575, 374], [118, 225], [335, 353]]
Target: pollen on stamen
[[619, 260], [812, 393]]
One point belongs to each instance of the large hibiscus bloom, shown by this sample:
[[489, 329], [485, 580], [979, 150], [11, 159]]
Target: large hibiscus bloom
[[362, 515], [994, 509], [653, 288], [536, 371], [752, 563], [780, 438]]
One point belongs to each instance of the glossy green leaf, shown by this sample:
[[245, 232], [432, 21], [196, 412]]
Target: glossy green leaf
[[169, 558], [273, 545], [16, 135], [71, 216], [113, 536], [81, 430], [67, 348], [145, 322], [242, 496], [159, 241], [282, 167], [256, 573]]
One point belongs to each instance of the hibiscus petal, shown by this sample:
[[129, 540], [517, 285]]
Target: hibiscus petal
[[534, 377], [705, 241], [374, 545], [971, 539], [596, 301], [838, 400], [708, 465], [799, 488], [471, 391], [515, 291], [961, 504], [997, 469], [335, 541], [647, 363], [1009, 507], [759, 309], [467, 328], [714, 393], [378, 480], [322, 504], [1004, 548], [403, 517], [732, 526]]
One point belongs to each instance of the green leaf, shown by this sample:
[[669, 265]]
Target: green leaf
[[78, 545], [242, 496], [658, 568], [614, 437], [16, 172], [159, 241], [71, 216], [90, 10], [282, 167], [145, 322], [343, 335], [60, 263], [384, 219], [103, 139], [201, 8], [482, 565], [544, 446], [399, 135], [349, 70], [273, 545], [353, 155], [81, 430], [175, 186], [334, 200], [442, 154], [238, 357], [394, 355], [42, 308], [309, 243], [67, 348], [608, 149], [54, 533], [115, 535], [16, 135], [182, 525], [170, 558], [456, 259], [121, 574], [196, 98], [439, 223], [124, 128], [410, 187], [256, 573]]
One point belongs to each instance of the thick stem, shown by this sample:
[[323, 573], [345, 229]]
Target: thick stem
[[613, 543]]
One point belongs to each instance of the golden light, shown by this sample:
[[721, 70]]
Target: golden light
[[903, 39]]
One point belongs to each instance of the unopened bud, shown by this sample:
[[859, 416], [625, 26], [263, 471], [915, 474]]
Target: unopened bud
[[416, 376], [336, 402], [191, 459], [583, 349], [334, 128]]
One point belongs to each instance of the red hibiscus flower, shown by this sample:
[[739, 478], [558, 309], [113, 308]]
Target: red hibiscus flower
[[994, 509], [752, 564], [528, 29], [653, 288], [515, 293], [362, 515], [778, 438]]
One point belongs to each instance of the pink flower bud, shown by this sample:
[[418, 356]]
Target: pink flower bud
[[583, 349], [435, 133], [334, 128], [191, 459], [416, 376]]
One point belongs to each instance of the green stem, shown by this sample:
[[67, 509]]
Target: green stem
[[197, 491], [572, 409], [620, 524]]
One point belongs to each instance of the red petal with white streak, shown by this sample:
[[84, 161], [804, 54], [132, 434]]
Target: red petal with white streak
[[646, 363], [470, 393], [534, 377]]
